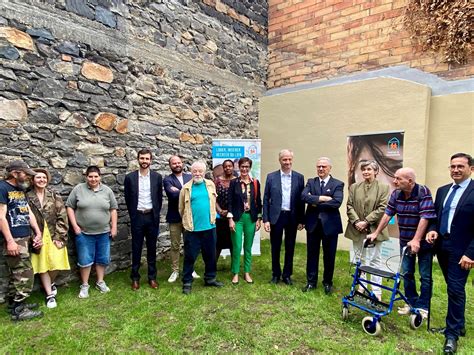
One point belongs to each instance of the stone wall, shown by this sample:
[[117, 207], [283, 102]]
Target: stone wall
[[316, 40], [91, 82]]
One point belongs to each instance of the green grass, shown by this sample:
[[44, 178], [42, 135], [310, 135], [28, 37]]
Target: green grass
[[245, 318]]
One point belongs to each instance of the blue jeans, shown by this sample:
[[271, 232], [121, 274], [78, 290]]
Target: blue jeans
[[425, 258], [93, 248]]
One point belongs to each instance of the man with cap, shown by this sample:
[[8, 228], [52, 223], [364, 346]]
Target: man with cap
[[16, 222]]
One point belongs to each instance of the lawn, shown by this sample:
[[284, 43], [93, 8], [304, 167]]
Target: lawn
[[244, 318]]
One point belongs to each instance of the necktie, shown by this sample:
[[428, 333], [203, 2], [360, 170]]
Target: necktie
[[443, 227], [322, 187]]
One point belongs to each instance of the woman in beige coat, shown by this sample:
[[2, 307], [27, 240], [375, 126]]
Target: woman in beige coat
[[365, 207]]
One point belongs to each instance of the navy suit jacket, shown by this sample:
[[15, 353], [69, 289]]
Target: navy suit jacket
[[131, 194], [326, 213], [462, 225], [173, 216], [273, 195]]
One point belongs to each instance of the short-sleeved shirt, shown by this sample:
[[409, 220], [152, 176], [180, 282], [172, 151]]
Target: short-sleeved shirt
[[18, 215], [200, 207], [92, 208], [410, 210]]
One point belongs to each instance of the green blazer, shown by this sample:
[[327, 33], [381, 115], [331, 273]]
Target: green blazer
[[366, 202]]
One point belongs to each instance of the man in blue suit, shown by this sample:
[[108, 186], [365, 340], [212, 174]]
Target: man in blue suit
[[173, 184], [144, 196], [283, 210], [324, 196], [453, 232]]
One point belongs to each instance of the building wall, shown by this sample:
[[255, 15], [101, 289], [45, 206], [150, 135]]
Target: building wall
[[313, 40], [92, 82]]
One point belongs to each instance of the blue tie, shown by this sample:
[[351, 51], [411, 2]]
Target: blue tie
[[322, 187], [443, 228]]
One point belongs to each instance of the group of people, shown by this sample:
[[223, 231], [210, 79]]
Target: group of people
[[225, 213]]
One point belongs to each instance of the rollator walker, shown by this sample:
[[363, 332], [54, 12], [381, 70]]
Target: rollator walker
[[367, 300]]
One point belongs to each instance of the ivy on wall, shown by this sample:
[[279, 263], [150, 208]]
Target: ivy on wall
[[442, 26]]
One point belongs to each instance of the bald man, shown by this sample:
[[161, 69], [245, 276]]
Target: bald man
[[413, 205]]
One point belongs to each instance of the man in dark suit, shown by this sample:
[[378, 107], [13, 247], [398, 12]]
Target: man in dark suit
[[454, 236], [324, 196], [144, 196], [173, 184], [283, 210]]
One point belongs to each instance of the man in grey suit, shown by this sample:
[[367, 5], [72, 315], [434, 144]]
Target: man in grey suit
[[283, 211]]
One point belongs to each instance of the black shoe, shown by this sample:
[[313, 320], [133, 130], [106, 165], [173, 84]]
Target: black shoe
[[214, 283], [327, 289], [23, 313], [308, 288], [450, 346], [12, 306], [275, 280], [187, 289], [288, 281]]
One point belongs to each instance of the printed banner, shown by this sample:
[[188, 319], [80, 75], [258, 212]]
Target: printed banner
[[234, 149], [387, 150]]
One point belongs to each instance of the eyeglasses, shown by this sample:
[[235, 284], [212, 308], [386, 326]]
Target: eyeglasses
[[245, 166], [459, 167]]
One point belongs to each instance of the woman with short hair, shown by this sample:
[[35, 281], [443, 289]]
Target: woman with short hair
[[245, 217], [92, 211], [365, 207]]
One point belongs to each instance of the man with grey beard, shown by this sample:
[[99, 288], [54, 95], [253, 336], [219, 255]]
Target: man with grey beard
[[16, 222]]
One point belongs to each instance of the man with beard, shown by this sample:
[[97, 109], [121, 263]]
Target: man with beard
[[173, 184], [197, 207], [16, 222], [144, 196]]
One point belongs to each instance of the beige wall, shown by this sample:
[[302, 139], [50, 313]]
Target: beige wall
[[451, 130], [316, 122]]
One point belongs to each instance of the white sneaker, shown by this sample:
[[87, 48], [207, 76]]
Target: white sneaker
[[102, 287], [54, 289], [195, 275], [423, 312], [404, 310], [173, 277], [51, 301], [84, 292]]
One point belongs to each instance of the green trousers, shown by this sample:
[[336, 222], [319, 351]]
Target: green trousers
[[244, 228]]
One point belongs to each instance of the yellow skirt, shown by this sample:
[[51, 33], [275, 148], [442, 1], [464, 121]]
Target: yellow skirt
[[50, 258]]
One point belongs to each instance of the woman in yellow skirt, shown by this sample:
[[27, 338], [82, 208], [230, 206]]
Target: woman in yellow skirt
[[50, 212]]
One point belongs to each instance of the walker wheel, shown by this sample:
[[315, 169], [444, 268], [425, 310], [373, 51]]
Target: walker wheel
[[345, 313], [416, 320], [370, 327]]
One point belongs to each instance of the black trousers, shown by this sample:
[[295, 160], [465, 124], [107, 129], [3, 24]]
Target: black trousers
[[144, 227], [283, 224], [456, 279], [195, 242], [329, 242]]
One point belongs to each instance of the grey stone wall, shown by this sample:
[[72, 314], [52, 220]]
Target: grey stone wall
[[91, 82]]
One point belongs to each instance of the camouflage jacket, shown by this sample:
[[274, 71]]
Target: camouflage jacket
[[53, 211]]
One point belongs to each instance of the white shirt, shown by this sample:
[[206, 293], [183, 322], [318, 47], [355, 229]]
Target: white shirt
[[457, 196], [144, 192], [326, 179], [180, 179], [285, 191]]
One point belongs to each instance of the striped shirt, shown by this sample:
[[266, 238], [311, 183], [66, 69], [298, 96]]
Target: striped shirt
[[410, 210]]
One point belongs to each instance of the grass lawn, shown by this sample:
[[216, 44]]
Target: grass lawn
[[244, 318]]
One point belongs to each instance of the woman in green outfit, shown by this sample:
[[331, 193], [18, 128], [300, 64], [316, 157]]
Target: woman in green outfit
[[245, 214]]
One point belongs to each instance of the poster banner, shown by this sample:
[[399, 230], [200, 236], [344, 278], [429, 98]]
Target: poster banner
[[235, 149], [386, 149]]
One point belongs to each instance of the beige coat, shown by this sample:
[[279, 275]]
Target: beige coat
[[185, 203], [366, 202]]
